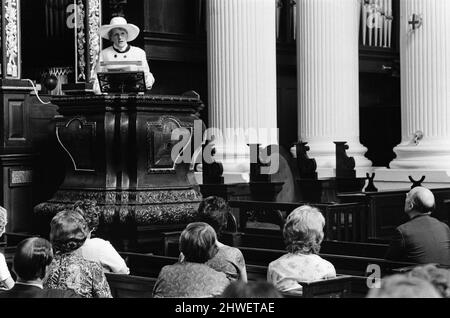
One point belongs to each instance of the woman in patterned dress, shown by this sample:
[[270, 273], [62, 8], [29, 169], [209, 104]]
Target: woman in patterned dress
[[69, 270], [303, 234]]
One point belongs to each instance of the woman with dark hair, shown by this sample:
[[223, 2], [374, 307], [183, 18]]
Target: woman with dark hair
[[192, 277], [69, 270], [303, 234], [214, 211], [97, 249]]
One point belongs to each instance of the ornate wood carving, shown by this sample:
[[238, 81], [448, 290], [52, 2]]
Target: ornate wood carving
[[88, 42], [345, 166], [10, 44], [416, 183], [307, 166], [370, 186]]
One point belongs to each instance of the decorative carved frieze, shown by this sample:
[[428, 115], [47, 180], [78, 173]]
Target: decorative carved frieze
[[10, 44], [148, 208], [88, 42]]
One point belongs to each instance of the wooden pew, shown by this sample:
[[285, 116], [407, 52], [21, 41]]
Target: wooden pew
[[344, 264], [384, 209], [344, 222], [327, 246], [13, 239], [339, 287], [129, 286], [146, 266], [275, 241]]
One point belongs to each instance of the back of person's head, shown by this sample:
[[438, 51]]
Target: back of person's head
[[32, 257], [303, 230], [258, 289], [68, 231], [3, 220], [438, 277], [198, 242], [90, 212], [421, 200], [403, 286], [214, 211]]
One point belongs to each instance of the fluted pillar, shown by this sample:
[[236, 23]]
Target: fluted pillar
[[425, 86], [242, 78], [328, 79]]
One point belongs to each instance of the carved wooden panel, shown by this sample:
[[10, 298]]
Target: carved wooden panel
[[20, 177], [77, 138], [17, 124], [159, 136]]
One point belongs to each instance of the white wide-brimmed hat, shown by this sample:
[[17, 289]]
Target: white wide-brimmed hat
[[119, 22]]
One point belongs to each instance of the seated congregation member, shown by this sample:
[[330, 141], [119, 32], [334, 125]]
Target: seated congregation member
[[438, 277], [259, 289], [403, 286], [69, 270], [192, 277], [31, 260], [423, 239], [303, 234], [6, 281], [214, 211], [97, 249]]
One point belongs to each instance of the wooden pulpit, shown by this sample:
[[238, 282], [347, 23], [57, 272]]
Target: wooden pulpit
[[118, 150]]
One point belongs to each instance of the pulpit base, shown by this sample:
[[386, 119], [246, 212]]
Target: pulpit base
[[122, 212]]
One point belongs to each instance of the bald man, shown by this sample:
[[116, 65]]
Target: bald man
[[423, 239]]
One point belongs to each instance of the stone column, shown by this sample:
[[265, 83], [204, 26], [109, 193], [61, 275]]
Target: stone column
[[425, 86], [328, 80], [242, 79]]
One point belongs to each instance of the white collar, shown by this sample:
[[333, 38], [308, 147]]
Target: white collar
[[30, 284]]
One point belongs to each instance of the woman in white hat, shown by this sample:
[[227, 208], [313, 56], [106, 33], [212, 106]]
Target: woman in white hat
[[120, 33]]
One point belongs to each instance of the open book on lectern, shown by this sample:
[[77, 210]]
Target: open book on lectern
[[121, 77]]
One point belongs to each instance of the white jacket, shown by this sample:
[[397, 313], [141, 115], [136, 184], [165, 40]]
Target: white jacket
[[133, 53]]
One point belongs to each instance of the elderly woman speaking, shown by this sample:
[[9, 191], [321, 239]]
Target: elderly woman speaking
[[303, 234], [120, 33]]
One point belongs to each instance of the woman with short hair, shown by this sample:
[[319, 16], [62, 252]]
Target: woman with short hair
[[97, 249], [192, 277], [303, 234], [214, 211], [69, 270]]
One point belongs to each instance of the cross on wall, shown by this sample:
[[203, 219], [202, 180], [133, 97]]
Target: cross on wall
[[415, 22]]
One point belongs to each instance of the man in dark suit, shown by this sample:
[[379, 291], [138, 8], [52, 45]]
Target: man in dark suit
[[423, 239], [30, 263]]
